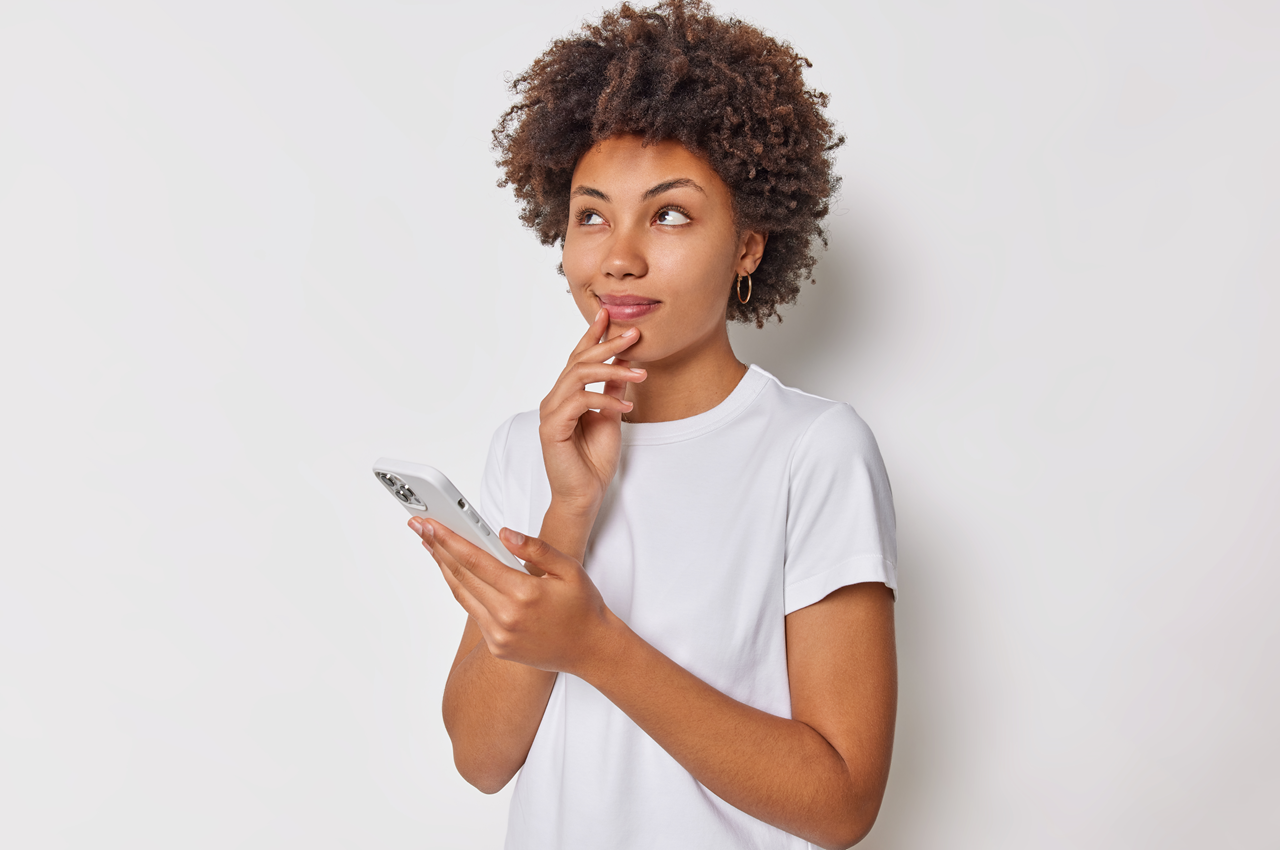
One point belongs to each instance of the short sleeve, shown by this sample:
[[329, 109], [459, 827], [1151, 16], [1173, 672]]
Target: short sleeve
[[492, 490], [841, 528]]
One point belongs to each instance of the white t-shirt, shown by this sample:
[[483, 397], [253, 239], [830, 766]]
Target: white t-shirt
[[713, 530]]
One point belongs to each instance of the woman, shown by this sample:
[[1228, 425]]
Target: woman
[[704, 654]]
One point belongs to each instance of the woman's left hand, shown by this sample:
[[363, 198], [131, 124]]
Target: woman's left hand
[[556, 622]]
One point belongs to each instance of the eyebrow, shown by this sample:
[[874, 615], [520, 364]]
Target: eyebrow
[[679, 183], [667, 186], [589, 192]]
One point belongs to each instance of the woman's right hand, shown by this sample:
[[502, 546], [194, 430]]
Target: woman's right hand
[[580, 431]]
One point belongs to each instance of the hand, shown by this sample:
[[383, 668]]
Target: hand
[[579, 430], [556, 621]]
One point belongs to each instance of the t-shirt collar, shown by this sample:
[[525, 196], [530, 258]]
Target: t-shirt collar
[[657, 433]]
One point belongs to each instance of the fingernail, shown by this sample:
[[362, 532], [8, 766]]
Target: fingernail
[[516, 537], [638, 371], [629, 404], [427, 530], [629, 332], [415, 524], [601, 313]]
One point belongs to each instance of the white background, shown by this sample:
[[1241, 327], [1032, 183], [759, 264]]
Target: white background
[[247, 247]]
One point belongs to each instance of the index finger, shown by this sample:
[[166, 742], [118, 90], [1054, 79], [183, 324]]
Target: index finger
[[595, 331], [477, 562]]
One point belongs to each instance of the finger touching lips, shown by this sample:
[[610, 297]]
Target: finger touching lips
[[631, 312], [625, 307]]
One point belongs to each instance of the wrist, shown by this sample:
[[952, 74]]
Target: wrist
[[607, 652], [574, 510], [567, 527]]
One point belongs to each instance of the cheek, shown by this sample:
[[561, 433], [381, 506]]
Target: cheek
[[580, 259], [705, 278]]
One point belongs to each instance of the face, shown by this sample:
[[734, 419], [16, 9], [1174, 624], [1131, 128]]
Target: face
[[651, 238]]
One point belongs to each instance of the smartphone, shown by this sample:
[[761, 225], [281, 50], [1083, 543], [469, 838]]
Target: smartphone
[[425, 492]]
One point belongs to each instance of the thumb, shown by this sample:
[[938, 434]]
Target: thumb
[[538, 552]]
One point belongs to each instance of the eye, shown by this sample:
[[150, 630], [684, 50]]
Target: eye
[[672, 216], [589, 217]]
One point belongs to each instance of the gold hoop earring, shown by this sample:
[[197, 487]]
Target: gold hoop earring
[[738, 284]]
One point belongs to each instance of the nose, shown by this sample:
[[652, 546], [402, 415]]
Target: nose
[[624, 256]]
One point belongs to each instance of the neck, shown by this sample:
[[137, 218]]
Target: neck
[[688, 383]]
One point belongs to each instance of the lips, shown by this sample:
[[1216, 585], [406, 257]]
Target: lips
[[624, 308]]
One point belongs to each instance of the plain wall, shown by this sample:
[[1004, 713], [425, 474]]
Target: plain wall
[[246, 248]]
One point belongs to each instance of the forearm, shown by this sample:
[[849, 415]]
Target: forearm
[[778, 770], [492, 708]]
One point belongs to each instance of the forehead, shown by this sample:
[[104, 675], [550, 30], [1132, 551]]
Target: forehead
[[625, 168]]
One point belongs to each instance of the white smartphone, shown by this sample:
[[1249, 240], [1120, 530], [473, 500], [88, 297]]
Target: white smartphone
[[425, 492]]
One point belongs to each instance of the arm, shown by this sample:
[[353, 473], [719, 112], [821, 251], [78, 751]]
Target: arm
[[492, 708], [820, 774]]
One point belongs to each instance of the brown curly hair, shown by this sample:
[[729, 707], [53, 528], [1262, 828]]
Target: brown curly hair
[[722, 88]]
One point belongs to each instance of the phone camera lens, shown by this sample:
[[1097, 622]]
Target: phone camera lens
[[404, 494]]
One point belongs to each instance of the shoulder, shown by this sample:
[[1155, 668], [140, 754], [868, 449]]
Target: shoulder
[[838, 433], [820, 427], [516, 433], [515, 459]]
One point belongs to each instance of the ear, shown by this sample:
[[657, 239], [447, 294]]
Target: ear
[[750, 251]]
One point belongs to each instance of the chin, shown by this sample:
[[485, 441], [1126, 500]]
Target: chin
[[649, 353], [638, 353]]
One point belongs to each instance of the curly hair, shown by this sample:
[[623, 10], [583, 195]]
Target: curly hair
[[722, 88]]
